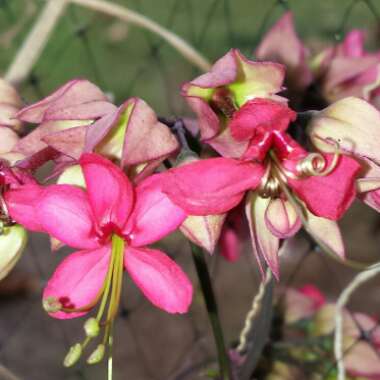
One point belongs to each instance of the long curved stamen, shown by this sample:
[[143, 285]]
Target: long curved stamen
[[316, 165]]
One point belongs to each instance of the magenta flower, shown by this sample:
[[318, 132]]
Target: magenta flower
[[110, 223], [284, 177]]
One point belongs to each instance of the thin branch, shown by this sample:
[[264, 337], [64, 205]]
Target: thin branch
[[35, 42], [5, 374], [343, 299], [138, 19]]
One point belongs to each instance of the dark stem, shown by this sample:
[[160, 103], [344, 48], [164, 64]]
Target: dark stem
[[212, 311]]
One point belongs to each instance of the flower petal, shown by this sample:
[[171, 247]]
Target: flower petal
[[154, 215], [109, 190], [281, 218], [331, 195], [65, 214], [12, 244], [326, 233], [203, 230], [281, 44], [351, 123], [78, 279], [264, 244], [160, 279], [258, 116], [229, 244], [74, 92], [146, 139], [211, 186], [22, 205]]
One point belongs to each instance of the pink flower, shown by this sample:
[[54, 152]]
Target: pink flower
[[280, 172], [215, 96], [78, 118], [281, 44], [110, 223], [348, 70]]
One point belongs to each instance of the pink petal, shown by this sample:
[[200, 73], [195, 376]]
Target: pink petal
[[78, 280], [264, 244], [22, 206], [353, 44], [329, 196], [227, 146], [146, 139], [65, 214], [282, 44], [109, 190], [74, 92], [211, 186], [259, 115], [362, 361], [229, 244], [297, 306], [34, 141], [160, 279], [154, 215], [69, 142], [83, 111], [281, 218]]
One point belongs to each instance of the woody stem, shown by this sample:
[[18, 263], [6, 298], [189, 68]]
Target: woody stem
[[212, 311]]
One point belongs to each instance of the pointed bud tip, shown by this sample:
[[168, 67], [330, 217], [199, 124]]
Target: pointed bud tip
[[97, 355], [73, 355]]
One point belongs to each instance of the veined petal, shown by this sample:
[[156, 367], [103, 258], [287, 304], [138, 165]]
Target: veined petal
[[22, 205], [282, 44], [8, 139], [160, 279], [281, 218], [352, 123], [264, 244], [331, 195], [12, 244], [65, 214], [146, 139], [211, 186], [203, 230], [154, 215], [78, 280], [109, 190], [74, 92], [326, 232]]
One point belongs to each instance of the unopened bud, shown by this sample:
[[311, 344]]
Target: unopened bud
[[51, 304], [97, 355], [73, 355], [91, 327]]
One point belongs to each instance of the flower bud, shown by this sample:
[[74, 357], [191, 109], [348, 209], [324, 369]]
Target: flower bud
[[97, 355], [91, 327], [73, 355]]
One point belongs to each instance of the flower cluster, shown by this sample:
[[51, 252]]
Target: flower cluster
[[122, 178]]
